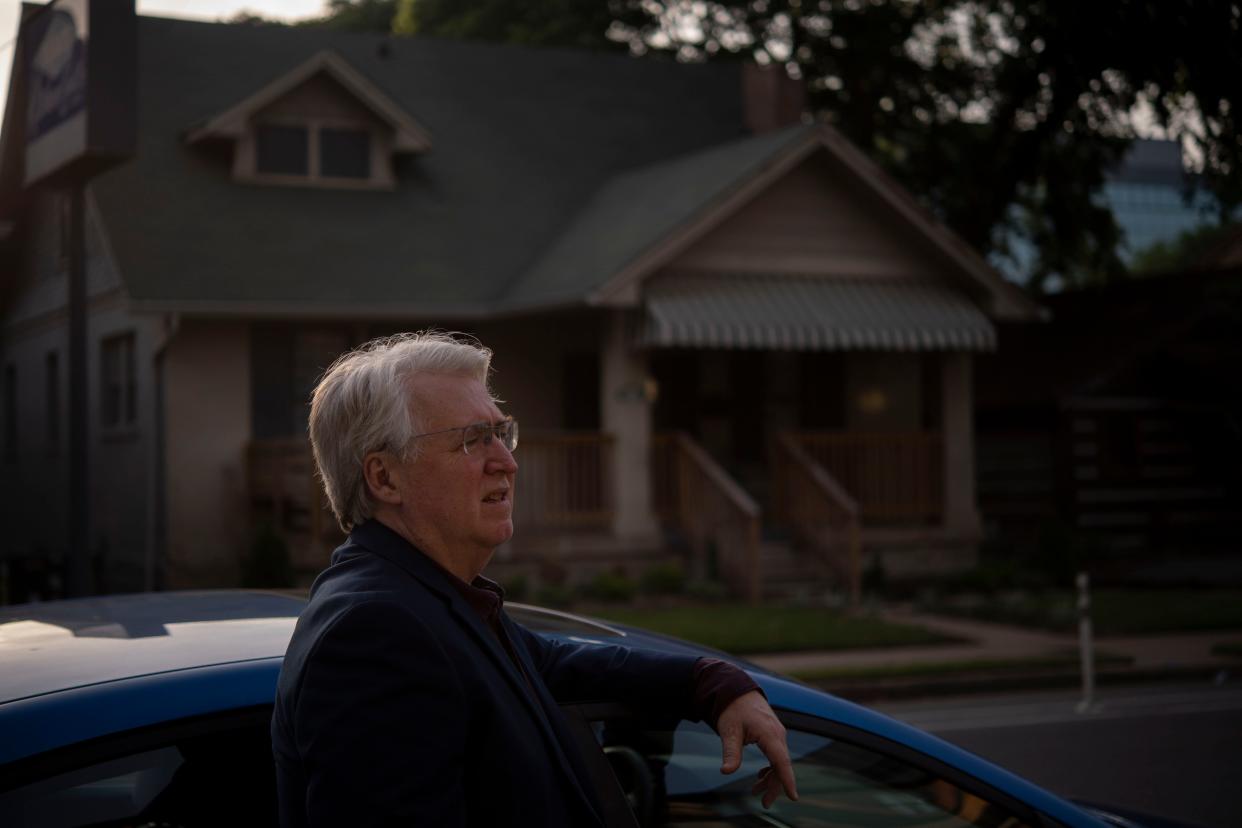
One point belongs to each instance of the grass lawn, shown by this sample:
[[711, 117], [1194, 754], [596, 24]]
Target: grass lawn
[[1113, 611], [963, 667], [739, 628]]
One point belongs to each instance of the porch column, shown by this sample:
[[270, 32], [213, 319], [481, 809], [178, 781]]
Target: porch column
[[961, 512], [626, 414]]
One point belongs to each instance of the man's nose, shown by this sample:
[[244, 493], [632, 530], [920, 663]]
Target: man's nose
[[500, 460]]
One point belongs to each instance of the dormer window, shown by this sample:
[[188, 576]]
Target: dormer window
[[281, 150], [314, 151], [321, 124], [344, 153]]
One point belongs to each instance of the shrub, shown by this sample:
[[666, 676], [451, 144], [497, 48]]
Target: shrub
[[611, 587], [553, 595], [874, 577], [516, 588], [268, 564], [664, 579], [708, 591]]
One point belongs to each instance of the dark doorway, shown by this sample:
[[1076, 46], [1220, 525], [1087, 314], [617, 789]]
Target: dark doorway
[[581, 380]]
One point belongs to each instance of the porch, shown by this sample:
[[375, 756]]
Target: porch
[[834, 495]]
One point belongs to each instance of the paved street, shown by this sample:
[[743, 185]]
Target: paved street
[[1174, 751]]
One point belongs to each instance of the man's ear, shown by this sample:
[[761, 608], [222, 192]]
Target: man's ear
[[382, 472]]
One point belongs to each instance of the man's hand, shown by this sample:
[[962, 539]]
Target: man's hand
[[748, 720]]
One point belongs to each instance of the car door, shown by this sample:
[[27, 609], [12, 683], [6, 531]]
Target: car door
[[205, 771]]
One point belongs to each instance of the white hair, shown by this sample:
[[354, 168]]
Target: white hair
[[365, 402]]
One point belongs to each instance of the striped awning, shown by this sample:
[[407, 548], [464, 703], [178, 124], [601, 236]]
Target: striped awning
[[784, 312]]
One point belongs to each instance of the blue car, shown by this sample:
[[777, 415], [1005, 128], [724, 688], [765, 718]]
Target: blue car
[[153, 710]]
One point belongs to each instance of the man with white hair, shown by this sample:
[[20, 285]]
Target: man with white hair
[[407, 695]]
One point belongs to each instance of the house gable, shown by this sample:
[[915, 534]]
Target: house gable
[[644, 220], [816, 220], [321, 124]]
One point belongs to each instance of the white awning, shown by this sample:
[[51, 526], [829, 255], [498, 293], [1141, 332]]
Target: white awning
[[807, 313]]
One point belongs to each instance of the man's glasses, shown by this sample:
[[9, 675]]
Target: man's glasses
[[506, 431]]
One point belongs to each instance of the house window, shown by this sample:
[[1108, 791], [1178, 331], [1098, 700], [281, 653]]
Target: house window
[[118, 385], [345, 153], [10, 412], [53, 402], [331, 152], [282, 150]]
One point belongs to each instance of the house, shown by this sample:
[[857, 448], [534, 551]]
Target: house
[[709, 316]]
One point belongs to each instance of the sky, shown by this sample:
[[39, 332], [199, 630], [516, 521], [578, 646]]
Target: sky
[[190, 9]]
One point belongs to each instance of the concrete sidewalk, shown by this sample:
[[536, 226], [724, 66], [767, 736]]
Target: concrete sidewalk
[[1153, 656]]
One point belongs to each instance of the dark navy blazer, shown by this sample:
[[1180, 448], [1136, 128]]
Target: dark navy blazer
[[396, 704]]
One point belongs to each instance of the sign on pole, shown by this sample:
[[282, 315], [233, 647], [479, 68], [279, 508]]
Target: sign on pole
[[80, 74]]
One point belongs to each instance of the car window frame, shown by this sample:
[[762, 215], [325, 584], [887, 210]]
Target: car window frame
[[584, 714], [79, 755]]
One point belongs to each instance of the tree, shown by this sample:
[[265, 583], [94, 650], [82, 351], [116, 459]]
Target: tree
[[1003, 116], [1185, 251], [357, 15], [581, 23]]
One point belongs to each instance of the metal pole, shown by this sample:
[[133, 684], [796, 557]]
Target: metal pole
[[77, 556], [1085, 642]]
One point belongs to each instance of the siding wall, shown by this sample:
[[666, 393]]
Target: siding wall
[[207, 400], [34, 484], [814, 220]]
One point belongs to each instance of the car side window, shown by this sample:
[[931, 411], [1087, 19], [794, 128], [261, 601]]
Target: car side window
[[186, 774], [670, 774], [118, 789]]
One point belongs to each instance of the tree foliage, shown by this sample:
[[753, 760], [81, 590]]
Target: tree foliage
[[358, 15], [1003, 116], [1186, 251]]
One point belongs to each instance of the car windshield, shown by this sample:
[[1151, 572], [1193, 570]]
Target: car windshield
[[551, 622]]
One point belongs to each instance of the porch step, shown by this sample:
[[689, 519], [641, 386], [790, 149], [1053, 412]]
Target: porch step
[[790, 575]]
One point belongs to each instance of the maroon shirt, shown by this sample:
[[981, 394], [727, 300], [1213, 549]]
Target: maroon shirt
[[716, 683]]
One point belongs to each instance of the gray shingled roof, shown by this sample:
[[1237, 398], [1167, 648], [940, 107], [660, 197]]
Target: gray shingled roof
[[523, 138], [636, 208]]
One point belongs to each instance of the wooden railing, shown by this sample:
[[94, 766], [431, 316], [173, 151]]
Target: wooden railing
[[564, 481], [285, 494], [692, 491], [822, 514], [894, 476]]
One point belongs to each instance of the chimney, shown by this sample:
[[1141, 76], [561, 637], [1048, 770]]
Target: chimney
[[771, 99]]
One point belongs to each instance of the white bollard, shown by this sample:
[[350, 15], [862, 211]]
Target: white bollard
[[1085, 643]]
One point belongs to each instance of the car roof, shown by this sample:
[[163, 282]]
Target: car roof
[[60, 645]]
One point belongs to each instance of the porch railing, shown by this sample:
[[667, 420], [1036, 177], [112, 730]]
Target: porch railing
[[894, 476], [692, 492], [821, 513], [565, 481]]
